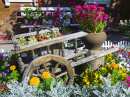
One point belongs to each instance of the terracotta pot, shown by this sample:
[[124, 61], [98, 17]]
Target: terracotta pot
[[93, 41], [37, 22]]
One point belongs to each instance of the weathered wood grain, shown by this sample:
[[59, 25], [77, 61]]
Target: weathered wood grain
[[92, 57], [51, 41]]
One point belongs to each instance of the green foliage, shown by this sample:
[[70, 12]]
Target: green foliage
[[22, 41], [116, 77], [45, 85], [124, 29]]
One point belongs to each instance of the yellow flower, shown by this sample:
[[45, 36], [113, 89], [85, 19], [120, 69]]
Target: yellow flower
[[120, 71], [103, 69], [106, 55], [109, 58], [96, 81], [87, 83], [110, 55], [123, 68], [124, 74], [12, 67], [46, 75], [113, 60], [86, 71], [34, 81]]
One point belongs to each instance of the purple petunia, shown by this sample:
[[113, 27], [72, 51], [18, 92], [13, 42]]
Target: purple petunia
[[7, 70], [4, 74]]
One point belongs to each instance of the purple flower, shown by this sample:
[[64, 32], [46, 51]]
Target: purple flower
[[7, 70], [4, 74], [8, 65], [7, 59], [127, 59], [119, 53], [129, 63]]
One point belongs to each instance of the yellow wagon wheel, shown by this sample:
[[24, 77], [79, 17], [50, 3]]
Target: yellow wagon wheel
[[56, 65]]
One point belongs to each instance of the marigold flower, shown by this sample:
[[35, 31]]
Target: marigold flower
[[12, 67], [34, 81], [46, 75]]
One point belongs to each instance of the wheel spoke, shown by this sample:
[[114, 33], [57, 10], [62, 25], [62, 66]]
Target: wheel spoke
[[55, 68], [45, 67], [61, 74], [36, 75]]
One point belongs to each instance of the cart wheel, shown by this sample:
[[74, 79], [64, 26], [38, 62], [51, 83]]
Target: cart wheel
[[56, 65]]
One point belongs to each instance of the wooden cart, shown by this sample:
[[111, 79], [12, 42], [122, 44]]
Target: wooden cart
[[52, 56]]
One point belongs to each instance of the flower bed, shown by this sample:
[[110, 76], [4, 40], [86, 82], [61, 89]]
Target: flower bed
[[113, 75]]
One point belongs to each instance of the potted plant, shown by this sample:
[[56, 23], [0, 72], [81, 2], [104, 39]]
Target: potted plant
[[34, 17], [92, 19]]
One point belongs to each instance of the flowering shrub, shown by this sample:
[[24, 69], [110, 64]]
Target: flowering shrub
[[8, 65], [91, 17]]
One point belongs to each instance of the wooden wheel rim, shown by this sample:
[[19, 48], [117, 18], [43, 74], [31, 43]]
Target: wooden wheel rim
[[42, 59]]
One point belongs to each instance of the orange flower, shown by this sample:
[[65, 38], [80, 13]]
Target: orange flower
[[114, 65], [46, 75], [12, 67]]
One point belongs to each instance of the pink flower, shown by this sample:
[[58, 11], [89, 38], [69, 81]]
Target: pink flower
[[78, 7], [103, 13], [81, 21], [85, 6], [100, 8], [96, 4], [41, 4], [95, 22], [77, 11], [83, 11], [100, 18], [105, 18], [88, 14], [97, 14], [106, 15]]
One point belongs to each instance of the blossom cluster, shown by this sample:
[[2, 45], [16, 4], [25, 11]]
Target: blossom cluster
[[91, 17]]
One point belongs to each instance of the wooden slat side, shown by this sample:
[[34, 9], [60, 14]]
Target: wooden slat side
[[92, 57], [51, 41]]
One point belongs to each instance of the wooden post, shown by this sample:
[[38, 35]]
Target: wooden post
[[95, 64]]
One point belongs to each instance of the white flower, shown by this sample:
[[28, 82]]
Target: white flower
[[122, 64], [123, 59], [119, 56]]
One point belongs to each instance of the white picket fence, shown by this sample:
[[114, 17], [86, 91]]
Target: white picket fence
[[121, 44]]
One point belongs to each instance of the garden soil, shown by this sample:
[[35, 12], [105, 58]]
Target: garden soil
[[114, 37]]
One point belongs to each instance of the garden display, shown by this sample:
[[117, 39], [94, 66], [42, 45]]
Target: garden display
[[48, 69], [114, 74]]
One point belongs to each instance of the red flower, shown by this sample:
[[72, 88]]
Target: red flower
[[123, 50], [36, 2], [36, 5], [41, 4], [36, 36], [118, 50], [129, 54], [112, 46], [73, 2]]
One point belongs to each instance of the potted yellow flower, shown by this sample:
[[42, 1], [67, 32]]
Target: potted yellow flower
[[92, 20]]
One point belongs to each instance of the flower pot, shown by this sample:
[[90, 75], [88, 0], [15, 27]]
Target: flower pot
[[93, 41], [36, 22]]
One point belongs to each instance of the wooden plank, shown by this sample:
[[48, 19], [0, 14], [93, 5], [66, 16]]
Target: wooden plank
[[5, 41], [51, 41], [92, 57]]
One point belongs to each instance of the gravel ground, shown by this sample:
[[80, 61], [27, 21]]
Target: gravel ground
[[113, 37]]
